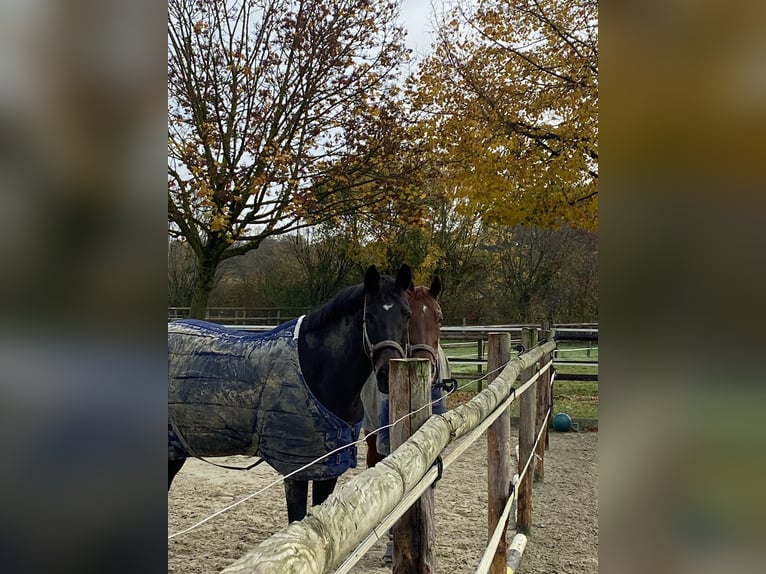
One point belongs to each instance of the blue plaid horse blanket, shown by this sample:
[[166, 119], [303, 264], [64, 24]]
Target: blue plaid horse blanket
[[234, 392]]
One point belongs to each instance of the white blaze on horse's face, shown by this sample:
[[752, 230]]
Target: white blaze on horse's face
[[387, 306], [425, 308]]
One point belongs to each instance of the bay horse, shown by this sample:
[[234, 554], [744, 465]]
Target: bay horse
[[423, 332], [290, 395]]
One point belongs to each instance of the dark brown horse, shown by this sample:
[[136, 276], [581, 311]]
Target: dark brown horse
[[424, 329], [233, 392]]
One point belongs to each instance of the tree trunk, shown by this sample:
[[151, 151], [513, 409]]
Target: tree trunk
[[203, 287]]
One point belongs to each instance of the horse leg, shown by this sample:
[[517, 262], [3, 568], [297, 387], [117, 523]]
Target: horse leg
[[297, 495], [321, 490], [373, 456], [173, 467]]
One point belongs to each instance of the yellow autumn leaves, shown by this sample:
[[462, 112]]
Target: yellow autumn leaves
[[510, 97]]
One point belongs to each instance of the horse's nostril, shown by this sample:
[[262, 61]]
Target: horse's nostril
[[382, 377]]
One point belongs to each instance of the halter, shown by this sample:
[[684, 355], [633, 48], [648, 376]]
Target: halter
[[370, 348], [434, 358]]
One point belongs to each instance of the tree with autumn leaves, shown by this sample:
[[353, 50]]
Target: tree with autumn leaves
[[509, 107], [281, 114], [285, 114], [507, 103]]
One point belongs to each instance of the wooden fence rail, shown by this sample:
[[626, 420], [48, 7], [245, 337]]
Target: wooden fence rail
[[243, 315], [587, 337], [361, 507]]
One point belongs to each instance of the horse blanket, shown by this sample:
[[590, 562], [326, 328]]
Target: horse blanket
[[376, 404], [234, 392]]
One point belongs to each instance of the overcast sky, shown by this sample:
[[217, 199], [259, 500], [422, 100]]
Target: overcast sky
[[416, 17]]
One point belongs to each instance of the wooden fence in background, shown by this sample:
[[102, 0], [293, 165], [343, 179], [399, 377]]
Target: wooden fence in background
[[467, 347], [258, 316], [456, 339]]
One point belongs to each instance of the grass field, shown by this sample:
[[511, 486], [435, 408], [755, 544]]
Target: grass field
[[576, 398]]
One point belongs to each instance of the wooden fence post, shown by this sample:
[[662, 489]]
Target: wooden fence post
[[526, 437], [480, 355], [543, 399], [415, 531], [549, 378], [499, 470]]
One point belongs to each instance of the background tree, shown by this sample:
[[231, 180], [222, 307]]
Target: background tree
[[298, 127], [509, 101], [491, 274], [282, 114], [265, 277], [181, 274], [457, 236], [529, 263], [573, 296], [325, 255]]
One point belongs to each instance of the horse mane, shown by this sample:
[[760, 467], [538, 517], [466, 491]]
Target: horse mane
[[340, 305], [422, 289], [345, 301]]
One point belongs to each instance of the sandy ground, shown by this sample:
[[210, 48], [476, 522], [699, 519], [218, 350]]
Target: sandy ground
[[564, 535]]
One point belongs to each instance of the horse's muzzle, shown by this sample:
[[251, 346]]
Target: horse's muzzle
[[382, 376], [386, 350]]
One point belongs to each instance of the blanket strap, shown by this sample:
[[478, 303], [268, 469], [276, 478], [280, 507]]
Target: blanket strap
[[192, 454], [256, 463]]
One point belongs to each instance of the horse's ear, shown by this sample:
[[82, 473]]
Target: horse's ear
[[436, 287], [371, 279], [404, 277]]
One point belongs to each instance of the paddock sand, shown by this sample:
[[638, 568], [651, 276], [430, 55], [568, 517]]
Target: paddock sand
[[564, 535]]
